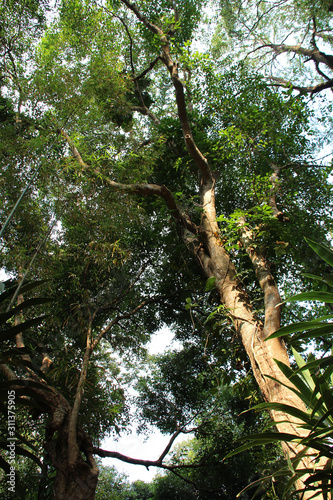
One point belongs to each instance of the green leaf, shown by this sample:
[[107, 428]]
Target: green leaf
[[23, 452], [263, 438], [26, 304], [327, 278], [210, 284], [316, 332], [316, 363], [24, 289], [324, 252], [7, 334], [296, 327], [290, 410], [304, 392], [320, 296], [305, 373]]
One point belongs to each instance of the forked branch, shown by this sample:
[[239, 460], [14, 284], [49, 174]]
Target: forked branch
[[172, 66], [311, 89], [140, 189]]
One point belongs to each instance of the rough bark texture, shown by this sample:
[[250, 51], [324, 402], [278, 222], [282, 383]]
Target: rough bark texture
[[78, 480], [76, 476]]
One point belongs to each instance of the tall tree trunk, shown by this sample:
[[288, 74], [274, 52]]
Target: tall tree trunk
[[76, 480], [216, 262], [75, 483]]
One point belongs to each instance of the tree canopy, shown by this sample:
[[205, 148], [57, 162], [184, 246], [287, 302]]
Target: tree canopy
[[154, 172]]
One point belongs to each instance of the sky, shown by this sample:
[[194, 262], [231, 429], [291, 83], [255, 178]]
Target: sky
[[138, 446]]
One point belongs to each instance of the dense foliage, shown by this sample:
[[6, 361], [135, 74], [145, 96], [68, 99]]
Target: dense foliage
[[147, 181]]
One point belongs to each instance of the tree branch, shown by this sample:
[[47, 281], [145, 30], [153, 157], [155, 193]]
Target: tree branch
[[169, 445], [280, 82], [152, 27], [17, 320], [8, 372], [140, 189], [149, 463], [266, 280], [124, 458], [172, 67], [119, 318], [73, 447], [46, 360], [150, 67], [144, 110], [313, 54]]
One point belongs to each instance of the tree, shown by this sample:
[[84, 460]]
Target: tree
[[112, 485], [282, 38], [207, 474], [138, 129], [312, 381]]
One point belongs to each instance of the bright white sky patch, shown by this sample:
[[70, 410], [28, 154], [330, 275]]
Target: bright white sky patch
[[135, 446], [138, 446]]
